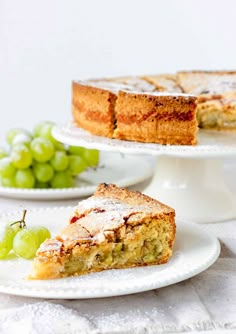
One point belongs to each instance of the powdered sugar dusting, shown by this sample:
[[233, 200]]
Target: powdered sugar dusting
[[208, 83], [133, 85]]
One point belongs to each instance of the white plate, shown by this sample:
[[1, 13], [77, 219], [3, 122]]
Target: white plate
[[211, 143], [123, 170], [194, 251]]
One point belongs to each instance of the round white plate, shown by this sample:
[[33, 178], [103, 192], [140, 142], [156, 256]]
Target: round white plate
[[123, 170], [210, 143], [194, 251]]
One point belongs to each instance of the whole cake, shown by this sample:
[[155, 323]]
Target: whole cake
[[114, 228], [163, 108]]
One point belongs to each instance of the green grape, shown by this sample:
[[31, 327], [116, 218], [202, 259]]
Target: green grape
[[3, 153], [44, 129], [42, 149], [26, 243], [77, 165], [91, 157], [60, 161], [16, 227], [21, 138], [42, 232], [38, 129], [62, 180], [21, 156], [12, 133], [6, 239], [60, 147], [76, 150], [24, 178], [8, 181], [43, 171], [6, 167], [41, 185]]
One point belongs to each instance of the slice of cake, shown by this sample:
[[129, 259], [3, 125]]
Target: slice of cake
[[122, 110], [114, 228], [163, 118]]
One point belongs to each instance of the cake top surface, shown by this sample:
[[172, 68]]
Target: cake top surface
[[203, 82], [164, 82], [187, 82], [104, 213], [131, 87], [112, 86], [160, 94]]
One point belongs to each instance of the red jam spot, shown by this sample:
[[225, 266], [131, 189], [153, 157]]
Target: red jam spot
[[73, 219]]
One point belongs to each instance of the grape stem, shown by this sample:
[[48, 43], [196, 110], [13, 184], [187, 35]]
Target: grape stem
[[22, 221]]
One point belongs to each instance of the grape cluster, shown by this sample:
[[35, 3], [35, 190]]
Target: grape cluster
[[22, 240], [37, 160]]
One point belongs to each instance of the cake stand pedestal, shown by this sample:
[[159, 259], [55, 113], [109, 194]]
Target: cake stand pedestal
[[194, 187], [188, 178]]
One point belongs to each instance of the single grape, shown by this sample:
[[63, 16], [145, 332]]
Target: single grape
[[8, 181], [62, 180], [12, 133], [21, 138], [3, 153], [21, 156], [91, 156], [38, 129], [26, 243], [41, 185], [6, 167], [43, 171], [6, 239], [60, 161], [16, 227], [77, 164], [24, 178], [42, 232], [42, 149], [60, 147], [44, 129], [76, 150]]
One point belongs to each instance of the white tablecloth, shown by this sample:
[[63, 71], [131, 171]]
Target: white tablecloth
[[205, 303]]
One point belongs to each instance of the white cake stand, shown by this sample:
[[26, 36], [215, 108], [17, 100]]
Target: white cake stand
[[188, 178]]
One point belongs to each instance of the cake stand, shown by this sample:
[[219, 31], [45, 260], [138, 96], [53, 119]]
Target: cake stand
[[188, 178]]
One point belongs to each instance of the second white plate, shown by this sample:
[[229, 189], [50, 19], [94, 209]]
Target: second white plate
[[121, 169], [194, 251]]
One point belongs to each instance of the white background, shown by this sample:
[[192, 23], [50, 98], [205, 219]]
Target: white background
[[45, 44]]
